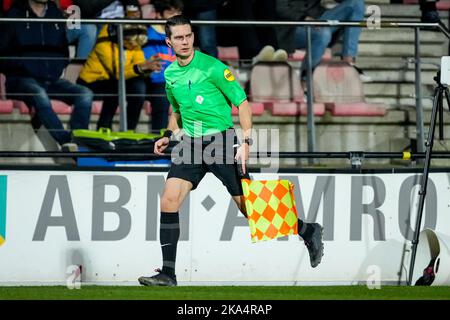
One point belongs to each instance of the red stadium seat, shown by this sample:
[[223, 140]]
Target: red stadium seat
[[23, 109], [147, 106], [60, 107], [356, 109], [96, 107], [339, 86], [228, 53], [269, 82], [440, 5], [257, 109], [6, 106], [294, 108], [299, 55], [337, 82]]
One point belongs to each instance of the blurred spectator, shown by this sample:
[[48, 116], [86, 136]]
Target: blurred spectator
[[83, 35], [250, 40], [291, 38], [245, 38], [101, 72], [156, 45], [5, 6], [86, 36], [34, 76], [429, 11], [266, 10], [204, 10]]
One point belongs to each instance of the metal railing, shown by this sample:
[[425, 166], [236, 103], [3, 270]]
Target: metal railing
[[355, 158], [308, 24]]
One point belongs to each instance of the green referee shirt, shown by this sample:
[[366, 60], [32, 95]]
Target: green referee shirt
[[202, 92]]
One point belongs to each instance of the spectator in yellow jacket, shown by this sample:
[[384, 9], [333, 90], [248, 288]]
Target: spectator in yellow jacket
[[101, 73]]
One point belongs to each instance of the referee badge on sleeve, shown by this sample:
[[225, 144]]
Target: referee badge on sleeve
[[228, 75]]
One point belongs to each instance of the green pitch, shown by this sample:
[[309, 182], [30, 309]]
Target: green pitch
[[228, 293]]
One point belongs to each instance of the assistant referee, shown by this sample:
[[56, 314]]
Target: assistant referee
[[201, 90]]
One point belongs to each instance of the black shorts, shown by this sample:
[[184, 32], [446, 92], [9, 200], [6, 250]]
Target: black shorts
[[192, 158]]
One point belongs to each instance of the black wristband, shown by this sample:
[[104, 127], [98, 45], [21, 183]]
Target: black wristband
[[167, 133], [248, 141], [137, 69]]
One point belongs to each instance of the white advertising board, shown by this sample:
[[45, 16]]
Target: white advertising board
[[108, 222]]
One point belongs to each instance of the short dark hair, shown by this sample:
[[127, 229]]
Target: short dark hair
[[163, 5], [177, 20]]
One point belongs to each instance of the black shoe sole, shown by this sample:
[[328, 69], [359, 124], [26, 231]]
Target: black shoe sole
[[321, 251], [152, 284]]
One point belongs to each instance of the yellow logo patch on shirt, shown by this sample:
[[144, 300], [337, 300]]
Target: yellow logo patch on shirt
[[228, 75]]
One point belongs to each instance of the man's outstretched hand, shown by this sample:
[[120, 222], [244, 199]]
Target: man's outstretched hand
[[161, 145], [242, 154]]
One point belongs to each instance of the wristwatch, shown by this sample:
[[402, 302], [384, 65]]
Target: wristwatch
[[168, 133], [248, 141]]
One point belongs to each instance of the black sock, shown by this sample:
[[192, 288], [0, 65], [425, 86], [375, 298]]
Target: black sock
[[169, 233], [304, 230]]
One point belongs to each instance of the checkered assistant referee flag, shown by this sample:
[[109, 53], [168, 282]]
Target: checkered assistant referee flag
[[270, 208]]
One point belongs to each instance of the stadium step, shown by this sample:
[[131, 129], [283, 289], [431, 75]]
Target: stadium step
[[441, 5], [401, 103], [397, 63], [388, 35], [405, 10], [382, 75], [394, 89], [377, 49]]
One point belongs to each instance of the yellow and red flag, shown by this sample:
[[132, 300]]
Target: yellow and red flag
[[270, 208]]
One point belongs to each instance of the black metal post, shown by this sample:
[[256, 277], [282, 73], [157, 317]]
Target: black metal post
[[437, 104]]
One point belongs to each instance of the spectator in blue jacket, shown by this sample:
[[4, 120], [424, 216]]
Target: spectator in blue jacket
[[156, 46], [40, 54]]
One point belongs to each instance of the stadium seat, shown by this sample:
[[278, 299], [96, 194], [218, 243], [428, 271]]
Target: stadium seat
[[356, 109], [6, 106], [257, 109], [299, 55], [269, 82], [147, 106], [294, 108], [440, 5], [96, 107], [19, 104], [228, 53], [60, 107], [338, 86]]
